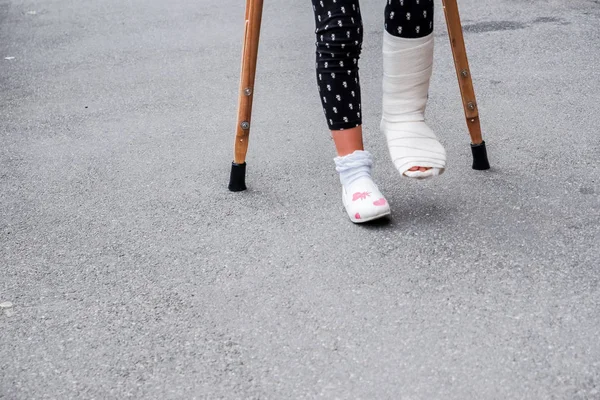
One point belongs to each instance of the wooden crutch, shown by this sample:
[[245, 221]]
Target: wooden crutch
[[457, 42], [254, 8]]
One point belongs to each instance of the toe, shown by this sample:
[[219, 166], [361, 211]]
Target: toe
[[419, 169]]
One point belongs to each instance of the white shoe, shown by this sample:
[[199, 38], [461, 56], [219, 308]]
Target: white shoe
[[407, 66], [364, 202], [360, 195]]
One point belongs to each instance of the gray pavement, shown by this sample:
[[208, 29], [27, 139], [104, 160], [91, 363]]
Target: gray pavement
[[134, 273]]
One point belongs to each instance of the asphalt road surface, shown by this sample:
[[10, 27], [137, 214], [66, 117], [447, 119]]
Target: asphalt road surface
[[134, 273]]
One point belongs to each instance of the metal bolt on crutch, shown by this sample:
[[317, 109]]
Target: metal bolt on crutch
[[237, 181]]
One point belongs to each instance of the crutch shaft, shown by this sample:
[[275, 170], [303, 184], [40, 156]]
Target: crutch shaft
[[253, 18], [463, 72], [461, 63], [246, 93]]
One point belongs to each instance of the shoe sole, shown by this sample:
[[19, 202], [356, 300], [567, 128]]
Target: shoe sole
[[378, 216]]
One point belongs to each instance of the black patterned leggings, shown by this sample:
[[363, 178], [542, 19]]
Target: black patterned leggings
[[339, 41]]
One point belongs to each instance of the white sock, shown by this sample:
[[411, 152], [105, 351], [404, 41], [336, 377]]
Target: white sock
[[407, 66], [354, 166]]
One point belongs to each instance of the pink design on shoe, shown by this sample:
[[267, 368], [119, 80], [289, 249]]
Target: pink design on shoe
[[360, 195], [380, 202], [357, 216]]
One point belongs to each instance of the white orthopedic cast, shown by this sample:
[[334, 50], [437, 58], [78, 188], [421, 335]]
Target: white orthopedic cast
[[407, 66]]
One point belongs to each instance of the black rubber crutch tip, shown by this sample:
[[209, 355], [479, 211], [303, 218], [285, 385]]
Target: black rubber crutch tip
[[237, 180], [480, 157]]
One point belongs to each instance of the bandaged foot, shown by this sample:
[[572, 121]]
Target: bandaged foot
[[407, 66], [361, 196]]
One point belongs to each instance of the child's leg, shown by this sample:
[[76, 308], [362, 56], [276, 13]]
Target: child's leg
[[407, 65], [339, 40]]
